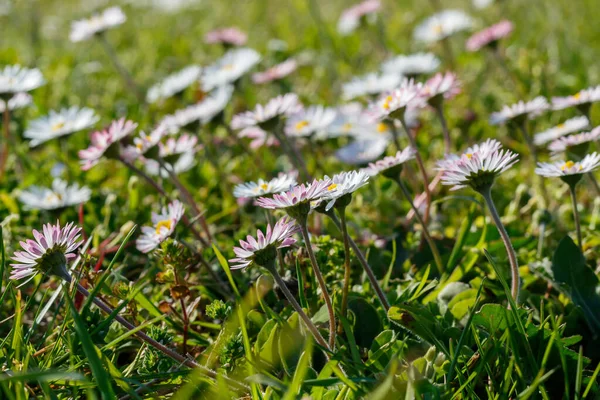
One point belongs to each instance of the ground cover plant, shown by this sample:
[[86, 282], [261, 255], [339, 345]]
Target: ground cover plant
[[299, 199]]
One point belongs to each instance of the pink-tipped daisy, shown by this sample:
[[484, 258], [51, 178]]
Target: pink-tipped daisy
[[49, 253], [569, 171], [262, 251], [572, 143], [394, 103], [106, 143], [490, 36], [297, 200], [261, 188], [351, 17], [266, 117], [569, 126], [391, 166], [520, 111], [478, 168], [276, 72], [582, 100], [442, 25], [227, 36], [440, 87], [484, 150], [163, 225]]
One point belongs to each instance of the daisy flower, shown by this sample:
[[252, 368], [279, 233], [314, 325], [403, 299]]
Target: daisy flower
[[490, 36], [60, 195], [255, 189], [411, 65], [569, 142], [351, 17], [369, 85], [276, 72], [267, 117], [297, 200], [143, 143], [566, 168], [16, 102], [520, 111], [394, 103], [48, 254], [263, 250], [174, 83], [259, 138], [442, 25], [312, 120], [392, 165], [231, 67], [362, 151], [478, 168], [582, 99], [480, 4], [60, 123], [16, 79], [84, 29], [341, 186], [106, 142], [226, 36], [177, 153], [484, 149], [569, 126], [163, 225], [441, 86]]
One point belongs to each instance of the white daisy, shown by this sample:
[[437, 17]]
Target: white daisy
[[174, 83], [60, 195], [393, 104], [484, 150], [565, 168], [61, 123], [177, 153], [411, 65], [439, 87], [143, 143], [566, 142], [519, 111], [84, 29], [341, 185], [267, 117], [569, 126], [362, 151], [15, 79], [442, 25], [255, 189], [314, 120], [163, 225], [229, 68], [351, 17], [369, 85], [391, 165], [582, 99], [16, 102], [276, 72]]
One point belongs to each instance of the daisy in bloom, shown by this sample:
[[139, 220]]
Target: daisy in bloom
[[16, 102], [60, 195], [442, 25], [392, 165], [480, 4], [178, 155], [259, 138], [520, 111], [231, 67], [262, 250], [48, 254], [439, 87], [342, 186], [267, 117], [369, 85], [297, 200], [163, 225], [478, 167], [261, 188], [314, 120], [569, 126], [106, 142], [576, 144], [363, 151], [84, 29], [16, 79], [144, 143], [348, 119], [351, 17], [276, 72], [393, 104], [60, 123], [226, 36], [174, 83], [490, 36], [411, 65], [583, 100]]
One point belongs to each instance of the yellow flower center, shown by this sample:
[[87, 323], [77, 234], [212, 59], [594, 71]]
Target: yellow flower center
[[560, 126], [381, 127], [469, 155], [577, 96], [228, 67], [332, 187], [386, 102], [300, 125], [164, 223], [346, 127], [58, 126], [568, 165], [264, 186], [437, 28]]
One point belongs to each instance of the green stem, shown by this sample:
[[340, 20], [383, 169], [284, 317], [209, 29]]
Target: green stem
[[6, 131], [112, 54], [447, 141], [321, 281], [576, 215], [512, 256], [347, 270], [434, 250]]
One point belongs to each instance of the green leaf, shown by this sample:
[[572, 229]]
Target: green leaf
[[577, 280], [367, 324]]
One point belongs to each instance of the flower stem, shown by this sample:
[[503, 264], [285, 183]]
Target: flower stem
[[534, 154], [434, 250], [290, 297], [347, 270], [292, 151], [576, 215], [363, 261], [189, 362], [421, 165], [512, 256], [6, 131], [321, 281], [447, 141], [112, 54]]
